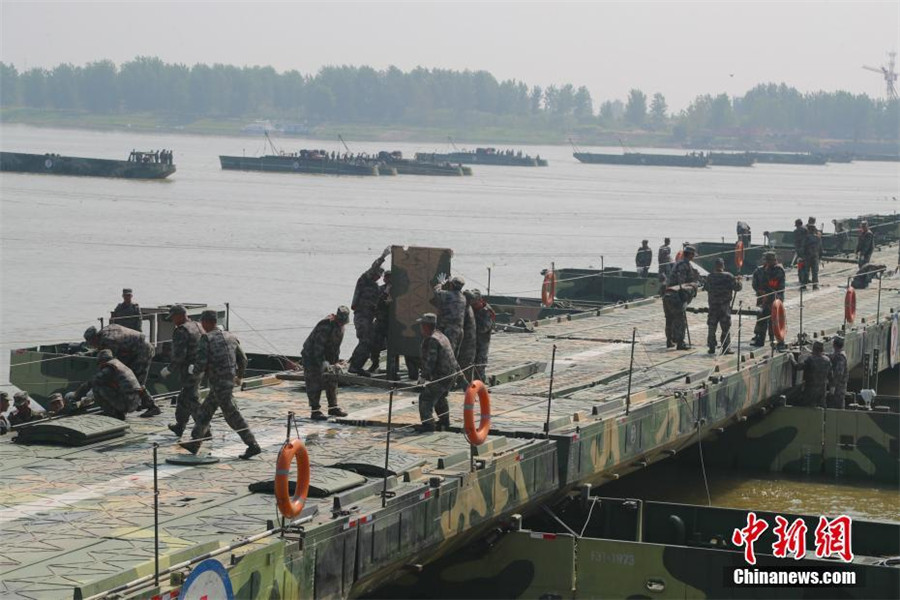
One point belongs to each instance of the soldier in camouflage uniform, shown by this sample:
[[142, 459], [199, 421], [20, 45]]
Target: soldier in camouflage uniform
[[743, 233], [436, 375], [365, 297], [380, 325], [664, 260], [116, 389], [799, 237], [126, 313], [484, 327], [839, 374], [720, 287], [681, 287], [135, 352], [451, 303], [865, 244], [768, 283], [816, 370], [321, 352], [221, 358], [644, 258], [467, 347], [811, 254], [185, 341]]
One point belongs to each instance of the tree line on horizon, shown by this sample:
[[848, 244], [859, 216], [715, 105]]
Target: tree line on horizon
[[429, 97]]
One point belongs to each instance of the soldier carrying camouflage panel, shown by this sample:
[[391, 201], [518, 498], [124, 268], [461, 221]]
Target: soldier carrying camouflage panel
[[365, 298], [451, 308]]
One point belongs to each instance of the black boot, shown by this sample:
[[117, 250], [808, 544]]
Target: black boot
[[251, 451], [318, 415], [177, 429], [335, 411]]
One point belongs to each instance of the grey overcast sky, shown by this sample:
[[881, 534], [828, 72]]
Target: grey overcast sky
[[681, 49]]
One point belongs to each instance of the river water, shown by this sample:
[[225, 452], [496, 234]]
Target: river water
[[285, 250]]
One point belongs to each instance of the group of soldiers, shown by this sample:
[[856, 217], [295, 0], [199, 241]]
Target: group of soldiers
[[455, 341], [825, 377]]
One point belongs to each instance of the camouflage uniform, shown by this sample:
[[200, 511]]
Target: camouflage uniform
[[127, 316], [380, 325], [865, 246], [130, 347], [675, 301], [816, 373], [484, 327], [365, 297], [664, 260], [185, 341], [811, 253], [643, 259], [467, 346], [839, 376], [768, 283], [322, 345], [720, 287], [799, 237], [116, 389], [221, 358], [451, 315], [438, 363]]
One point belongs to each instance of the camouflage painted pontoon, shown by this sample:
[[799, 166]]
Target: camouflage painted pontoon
[[80, 521], [141, 165]]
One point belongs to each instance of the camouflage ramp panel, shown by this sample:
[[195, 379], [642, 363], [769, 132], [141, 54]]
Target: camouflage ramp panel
[[413, 273], [79, 521]]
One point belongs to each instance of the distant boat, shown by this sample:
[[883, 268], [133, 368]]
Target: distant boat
[[406, 166], [310, 162], [731, 159], [641, 159], [140, 165], [485, 156], [790, 158]]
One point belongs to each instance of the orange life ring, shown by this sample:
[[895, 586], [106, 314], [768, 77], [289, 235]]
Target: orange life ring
[[548, 289], [476, 436], [779, 320], [291, 506], [739, 254], [850, 305]]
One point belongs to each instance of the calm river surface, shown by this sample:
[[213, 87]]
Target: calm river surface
[[285, 250]]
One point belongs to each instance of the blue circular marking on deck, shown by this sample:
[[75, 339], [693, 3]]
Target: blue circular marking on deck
[[209, 579]]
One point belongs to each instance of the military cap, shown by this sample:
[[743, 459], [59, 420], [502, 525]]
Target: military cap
[[457, 281], [469, 296], [720, 261], [342, 314], [812, 221], [645, 241], [690, 249], [798, 222], [769, 255], [818, 346], [476, 293], [21, 398], [126, 291], [209, 315], [864, 224], [105, 356], [428, 319], [177, 309], [808, 225], [838, 341], [90, 333]]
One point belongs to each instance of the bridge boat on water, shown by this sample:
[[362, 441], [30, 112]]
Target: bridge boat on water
[[140, 165]]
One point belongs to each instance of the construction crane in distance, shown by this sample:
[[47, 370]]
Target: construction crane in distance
[[889, 74]]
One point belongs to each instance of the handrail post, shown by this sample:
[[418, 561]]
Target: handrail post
[[155, 516], [387, 448], [630, 370], [550, 393]]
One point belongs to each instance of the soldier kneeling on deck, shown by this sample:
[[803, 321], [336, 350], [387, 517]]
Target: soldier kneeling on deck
[[437, 375], [115, 388]]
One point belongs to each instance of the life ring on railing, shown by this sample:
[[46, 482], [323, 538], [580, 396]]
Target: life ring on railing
[[739, 254], [548, 289], [291, 506], [850, 304], [477, 435], [779, 320]]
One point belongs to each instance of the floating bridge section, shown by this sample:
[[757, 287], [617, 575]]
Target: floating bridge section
[[78, 522]]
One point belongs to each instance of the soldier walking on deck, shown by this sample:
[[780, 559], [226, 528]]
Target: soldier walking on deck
[[221, 358], [365, 297], [816, 368], [321, 352], [681, 288], [484, 327], [664, 261], [127, 313], [644, 258], [467, 347], [811, 254], [185, 341], [768, 283], [115, 388], [865, 244], [839, 373], [451, 305], [720, 287], [436, 375], [135, 352]]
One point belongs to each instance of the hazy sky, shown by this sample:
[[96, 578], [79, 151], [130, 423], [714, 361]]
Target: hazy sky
[[681, 49]]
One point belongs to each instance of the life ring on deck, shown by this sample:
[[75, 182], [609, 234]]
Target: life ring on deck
[[476, 436], [291, 506], [779, 320], [850, 305], [739, 255], [548, 289]]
